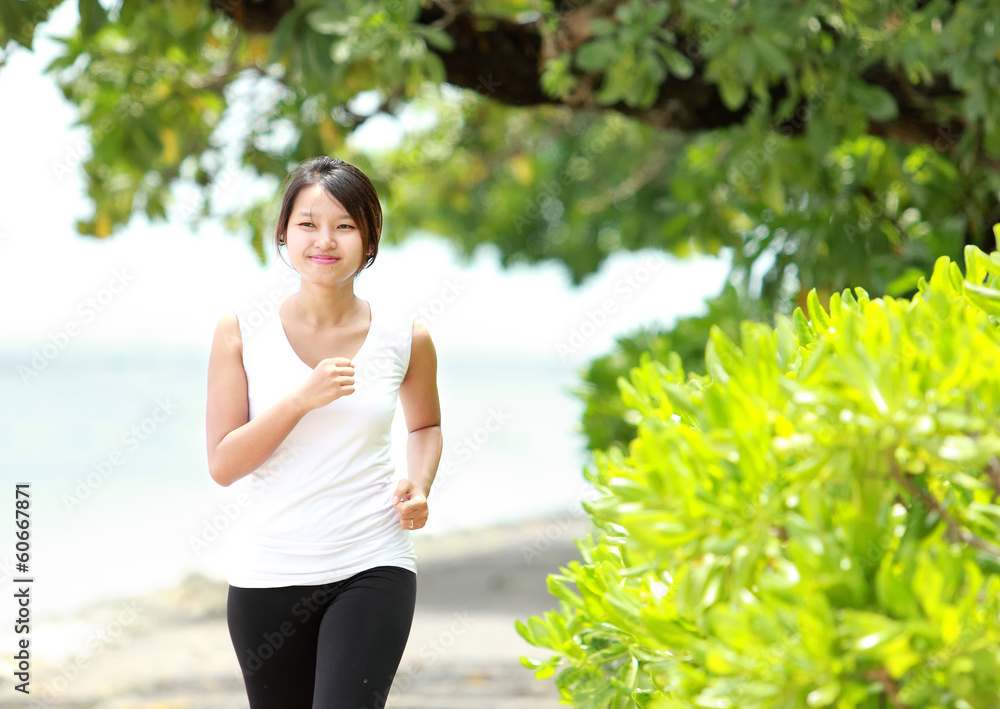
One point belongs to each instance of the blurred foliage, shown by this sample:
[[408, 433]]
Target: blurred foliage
[[18, 21], [813, 167], [811, 523]]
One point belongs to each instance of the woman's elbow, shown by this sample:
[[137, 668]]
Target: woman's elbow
[[222, 481], [220, 478], [220, 474]]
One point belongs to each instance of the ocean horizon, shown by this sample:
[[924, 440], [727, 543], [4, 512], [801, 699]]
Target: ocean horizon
[[111, 441]]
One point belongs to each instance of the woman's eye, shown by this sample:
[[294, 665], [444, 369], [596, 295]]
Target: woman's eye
[[305, 224]]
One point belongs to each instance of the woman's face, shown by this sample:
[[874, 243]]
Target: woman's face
[[324, 242]]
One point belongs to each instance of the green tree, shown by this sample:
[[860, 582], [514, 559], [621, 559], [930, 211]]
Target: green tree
[[849, 143], [812, 523]]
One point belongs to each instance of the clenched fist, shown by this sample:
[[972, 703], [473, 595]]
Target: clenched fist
[[331, 379]]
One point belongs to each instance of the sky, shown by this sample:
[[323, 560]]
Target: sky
[[166, 284]]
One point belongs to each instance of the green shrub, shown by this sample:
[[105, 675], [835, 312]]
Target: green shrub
[[812, 523]]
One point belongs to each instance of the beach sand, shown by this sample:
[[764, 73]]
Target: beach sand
[[171, 649]]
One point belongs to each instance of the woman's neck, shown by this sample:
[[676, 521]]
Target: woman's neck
[[326, 305]]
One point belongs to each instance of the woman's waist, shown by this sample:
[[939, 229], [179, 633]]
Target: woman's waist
[[321, 520], [333, 542], [262, 560]]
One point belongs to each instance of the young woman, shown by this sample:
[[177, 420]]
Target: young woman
[[322, 589]]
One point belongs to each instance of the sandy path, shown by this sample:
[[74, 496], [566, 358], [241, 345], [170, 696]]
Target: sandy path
[[173, 649]]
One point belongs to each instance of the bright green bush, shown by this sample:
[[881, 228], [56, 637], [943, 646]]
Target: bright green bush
[[813, 523]]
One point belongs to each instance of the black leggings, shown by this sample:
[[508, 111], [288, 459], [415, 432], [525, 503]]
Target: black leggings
[[332, 646]]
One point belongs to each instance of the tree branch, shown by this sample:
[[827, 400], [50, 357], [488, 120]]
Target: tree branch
[[889, 686], [993, 471], [495, 57], [503, 59], [954, 526], [636, 181], [254, 17]]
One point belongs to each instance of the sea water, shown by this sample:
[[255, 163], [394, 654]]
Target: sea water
[[112, 443]]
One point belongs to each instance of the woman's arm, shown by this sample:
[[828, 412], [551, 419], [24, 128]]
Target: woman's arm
[[422, 410], [236, 445]]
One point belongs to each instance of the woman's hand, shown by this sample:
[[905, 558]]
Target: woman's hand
[[410, 504], [331, 379]]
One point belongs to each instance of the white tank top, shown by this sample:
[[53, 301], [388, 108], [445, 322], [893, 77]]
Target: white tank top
[[320, 507]]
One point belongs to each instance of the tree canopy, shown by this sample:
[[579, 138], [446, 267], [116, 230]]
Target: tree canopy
[[829, 143]]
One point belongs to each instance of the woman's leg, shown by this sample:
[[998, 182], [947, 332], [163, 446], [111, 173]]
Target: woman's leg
[[361, 639], [274, 632]]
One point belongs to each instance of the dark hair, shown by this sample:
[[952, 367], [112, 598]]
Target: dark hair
[[346, 184]]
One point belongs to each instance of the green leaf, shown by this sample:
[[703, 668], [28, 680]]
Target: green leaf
[[435, 37], [986, 298], [601, 27], [877, 103], [679, 65], [330, 21], [597, 55], [773, 57], [733, 93], [93, 17], [825, 695]]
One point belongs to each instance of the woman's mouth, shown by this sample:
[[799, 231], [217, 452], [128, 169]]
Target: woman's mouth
[[323, 259]]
